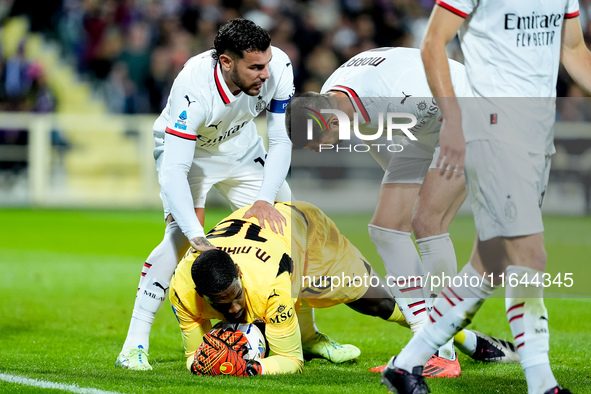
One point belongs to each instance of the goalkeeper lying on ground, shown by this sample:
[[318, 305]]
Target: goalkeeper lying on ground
[[258, 275]]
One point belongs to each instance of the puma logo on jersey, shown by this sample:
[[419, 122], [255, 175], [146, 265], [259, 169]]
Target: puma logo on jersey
[[188, 100], [159, 285], [273, 295], [405, 97], [215, 126]]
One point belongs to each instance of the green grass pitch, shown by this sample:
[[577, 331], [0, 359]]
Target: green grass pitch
[[67, 283]]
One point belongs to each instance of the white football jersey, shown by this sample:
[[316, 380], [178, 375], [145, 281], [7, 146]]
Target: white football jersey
[[512, 54], [204, 124], [512, 48], [200, 106], [391, 80]]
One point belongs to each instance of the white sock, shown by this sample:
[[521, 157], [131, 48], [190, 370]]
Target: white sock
[[154, 283], [439, 259], [306, 321], [528, 319], [447, 351], [467, 345], [416, 353], [405, 269], [452, 310]]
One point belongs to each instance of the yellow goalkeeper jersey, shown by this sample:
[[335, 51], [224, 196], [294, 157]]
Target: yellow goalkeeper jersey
[[275, 271]]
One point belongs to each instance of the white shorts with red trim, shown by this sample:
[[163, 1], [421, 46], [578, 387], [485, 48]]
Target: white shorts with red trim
[[506, 185], [410, 165]]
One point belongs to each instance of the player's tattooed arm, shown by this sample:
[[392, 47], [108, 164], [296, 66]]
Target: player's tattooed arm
[[262, 210], [201, 244]]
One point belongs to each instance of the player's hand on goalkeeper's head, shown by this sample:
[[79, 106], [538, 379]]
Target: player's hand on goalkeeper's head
[[221, 353], [265, 211]]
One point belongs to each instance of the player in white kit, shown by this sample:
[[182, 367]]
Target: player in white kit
[[205, 137], [511, 49], [414, 196]]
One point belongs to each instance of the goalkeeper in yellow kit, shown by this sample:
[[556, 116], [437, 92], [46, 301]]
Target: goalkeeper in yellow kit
[[256, 275]]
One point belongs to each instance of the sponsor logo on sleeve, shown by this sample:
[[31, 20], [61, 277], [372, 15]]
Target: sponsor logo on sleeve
[[181, 122], [282, 315]]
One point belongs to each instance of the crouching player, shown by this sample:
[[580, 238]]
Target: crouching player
[[258, 275]]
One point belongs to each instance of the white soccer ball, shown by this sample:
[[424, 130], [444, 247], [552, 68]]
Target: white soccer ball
[[257, 345]]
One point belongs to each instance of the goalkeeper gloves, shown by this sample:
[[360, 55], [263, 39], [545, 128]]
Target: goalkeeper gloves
[[221, 353]]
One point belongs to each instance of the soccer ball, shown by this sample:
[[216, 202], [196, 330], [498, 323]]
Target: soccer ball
[[257, 344]]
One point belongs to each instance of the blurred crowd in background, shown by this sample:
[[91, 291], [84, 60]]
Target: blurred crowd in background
[[130, 51]]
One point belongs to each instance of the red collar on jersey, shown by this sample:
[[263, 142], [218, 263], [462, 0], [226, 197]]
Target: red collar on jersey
[[223, 90]]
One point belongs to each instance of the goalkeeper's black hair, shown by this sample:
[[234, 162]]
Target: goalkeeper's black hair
[[213, 271], [239, 36], [297, 114]]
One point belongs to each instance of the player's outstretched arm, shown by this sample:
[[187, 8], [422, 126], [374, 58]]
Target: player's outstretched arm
[[264, 211], [276, 163], [575, 55], [179, 151], [441, 29], [275, 170]]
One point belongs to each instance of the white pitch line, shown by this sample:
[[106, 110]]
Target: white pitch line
[[51, 385]]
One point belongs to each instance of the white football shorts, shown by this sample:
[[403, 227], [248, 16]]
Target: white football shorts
[[237, 179], [506, 185], [409, 165]]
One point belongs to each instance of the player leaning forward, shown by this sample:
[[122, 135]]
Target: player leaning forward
[[205, 137], [511, 49], [258, 275], [414, 194]]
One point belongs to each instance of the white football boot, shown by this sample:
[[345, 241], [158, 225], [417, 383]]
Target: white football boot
[[135, 358]]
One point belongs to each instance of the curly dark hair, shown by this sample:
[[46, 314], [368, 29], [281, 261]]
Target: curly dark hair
[[239, 36], [213, 271]]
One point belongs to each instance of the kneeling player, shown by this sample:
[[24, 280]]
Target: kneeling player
[[258, 275]]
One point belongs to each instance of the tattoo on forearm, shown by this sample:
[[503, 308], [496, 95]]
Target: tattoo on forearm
[[203, 242]]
